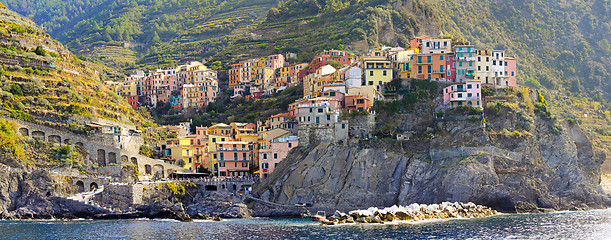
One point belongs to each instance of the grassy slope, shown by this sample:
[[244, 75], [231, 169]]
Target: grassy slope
[[122, 33], [32, 89]]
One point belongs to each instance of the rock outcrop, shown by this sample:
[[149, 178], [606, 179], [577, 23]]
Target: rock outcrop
[[460, 163]]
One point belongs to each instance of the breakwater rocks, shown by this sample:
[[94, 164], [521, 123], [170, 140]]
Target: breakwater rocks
[[414, 212]]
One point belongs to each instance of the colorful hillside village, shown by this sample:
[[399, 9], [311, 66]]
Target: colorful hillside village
[[334, 82]]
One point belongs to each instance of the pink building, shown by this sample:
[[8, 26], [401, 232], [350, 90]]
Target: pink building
[[274, 151], [274, 61], [511, 70], [233, 159], [468, 93], [451, 67]]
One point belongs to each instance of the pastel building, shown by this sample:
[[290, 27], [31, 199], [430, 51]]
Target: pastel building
[[465, 62], [274, 150], [511, 71], [378, 71], [233, 159], [436, 46], [429, 66], [462, 94]]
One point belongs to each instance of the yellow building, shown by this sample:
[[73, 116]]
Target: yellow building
[[378, 71]]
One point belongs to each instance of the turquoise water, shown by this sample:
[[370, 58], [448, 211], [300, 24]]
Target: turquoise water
[[563, 225]]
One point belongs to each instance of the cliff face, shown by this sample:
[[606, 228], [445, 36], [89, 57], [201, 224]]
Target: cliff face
[[459, 161]]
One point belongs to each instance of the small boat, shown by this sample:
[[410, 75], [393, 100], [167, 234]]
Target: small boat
[[319, 216], [305, 214]]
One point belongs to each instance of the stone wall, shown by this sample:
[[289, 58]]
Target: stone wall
[[312, 134], [102, 152], [361, 126]]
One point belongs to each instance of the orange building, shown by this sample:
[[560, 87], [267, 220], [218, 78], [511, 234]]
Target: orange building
[[429, 66]]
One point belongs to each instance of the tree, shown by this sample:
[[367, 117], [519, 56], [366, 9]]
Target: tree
[[155, 38], [40, 51]]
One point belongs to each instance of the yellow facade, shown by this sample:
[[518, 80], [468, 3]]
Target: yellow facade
[[378, 71]]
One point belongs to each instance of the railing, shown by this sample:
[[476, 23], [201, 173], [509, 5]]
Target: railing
[[231, 149]]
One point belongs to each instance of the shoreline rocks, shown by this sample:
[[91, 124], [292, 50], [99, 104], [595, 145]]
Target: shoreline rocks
[[412, 213]]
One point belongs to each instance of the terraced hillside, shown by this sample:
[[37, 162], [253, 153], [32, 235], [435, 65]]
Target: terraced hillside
[[145, 33], [41, 80]]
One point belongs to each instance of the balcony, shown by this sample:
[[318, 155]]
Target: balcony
[[417, 63], [231, 149]]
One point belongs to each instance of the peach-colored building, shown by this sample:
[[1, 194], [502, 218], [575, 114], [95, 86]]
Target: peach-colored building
[[273, 148], [233, 159], [511, 70]]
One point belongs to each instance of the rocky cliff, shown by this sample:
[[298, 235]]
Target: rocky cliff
[[517, 159]]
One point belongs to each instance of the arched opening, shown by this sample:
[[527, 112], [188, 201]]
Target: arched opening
[[79, 144], [223, 186], [210, 188], [148, 169], [124, 158], [101, 157], [235, 187], [38, 135], [80, 186], [158, 171], [55, 139], [93, 186], [134, 160], [67, 141], [112, 157], [470, 103], [24, 132]]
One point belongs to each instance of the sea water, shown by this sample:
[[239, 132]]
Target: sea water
[[561, 225]]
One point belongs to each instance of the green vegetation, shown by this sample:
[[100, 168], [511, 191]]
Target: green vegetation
[[420, 91], [41, 80], [137, 33], [9, 141]]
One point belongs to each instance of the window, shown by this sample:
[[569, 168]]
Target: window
[[317, 120], [469, 95], [512, 73], [428, 59], [244, 156], [487, 68], [290, 145], [332, 94], [222, 156], [478, 95], [379, 82], [265, 165], [460, 64], [429, 69], [265, 156], [441, 57], [190, 161], [459, 95], [244, 164], [419, 69], [493, 62], [222, 164], [479, 59], [505, 63], [384, 73], [370, 82], [470, 64], [371, 73], [479, 68], [419, 59], [477, 85], [320, 110], [328, 117], [275, 155]]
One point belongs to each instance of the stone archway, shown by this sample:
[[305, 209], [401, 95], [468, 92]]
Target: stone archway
[[101, 157], [38, 135], [112, 157], [158, 170], [134, 160], [124, 158], [148, 169], [80, 186], [54, 139], [93, 186], [24, 132]]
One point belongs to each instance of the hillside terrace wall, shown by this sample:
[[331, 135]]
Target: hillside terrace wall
[[101, 151]]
